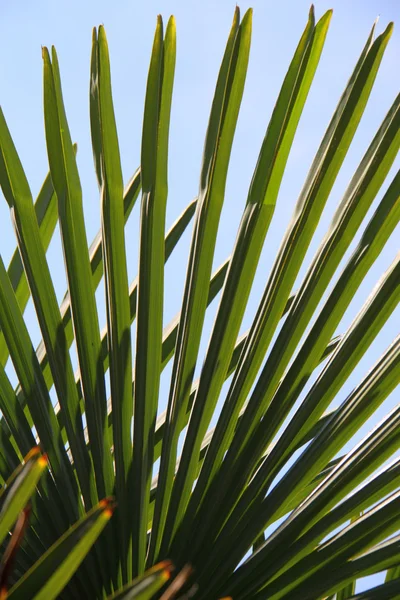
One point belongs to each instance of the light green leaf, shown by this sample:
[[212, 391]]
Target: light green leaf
[[48, 577], [17, 494], [217, 149], [150, 298], [117, 293]]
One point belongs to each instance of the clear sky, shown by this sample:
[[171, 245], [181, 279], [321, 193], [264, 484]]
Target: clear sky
[[202, 28]]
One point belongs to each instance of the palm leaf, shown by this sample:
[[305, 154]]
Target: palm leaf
[[274, 500]]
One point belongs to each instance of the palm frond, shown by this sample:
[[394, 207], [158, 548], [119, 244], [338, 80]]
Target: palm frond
[[269, 496]]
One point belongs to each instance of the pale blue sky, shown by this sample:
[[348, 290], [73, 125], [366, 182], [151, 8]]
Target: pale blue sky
[[202, 28]]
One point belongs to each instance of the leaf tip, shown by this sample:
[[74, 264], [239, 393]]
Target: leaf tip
[[171, 23], [236, 16], [3, 593], [248, 14], [166, 574], [108, 506], [101, 34], [247, 23], [389, 29], [45, 54], [163, 565], [43, 461], [35, 451]]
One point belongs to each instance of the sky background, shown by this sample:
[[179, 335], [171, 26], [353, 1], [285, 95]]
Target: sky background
[[202, 29]]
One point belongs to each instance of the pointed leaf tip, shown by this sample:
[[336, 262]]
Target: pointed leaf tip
[[171, 22], [248, 15], [389, 28], [43, 461], [108, 503], [108, 506], [164, 565], [101, 35], [45, 53], [33, 452], [327, 15]]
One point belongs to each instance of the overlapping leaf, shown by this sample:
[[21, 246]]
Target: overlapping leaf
[[259, 506]]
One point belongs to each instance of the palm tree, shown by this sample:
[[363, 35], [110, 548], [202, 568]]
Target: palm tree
[[271, 503]]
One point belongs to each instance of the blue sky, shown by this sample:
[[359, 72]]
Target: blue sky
[[202, 28]]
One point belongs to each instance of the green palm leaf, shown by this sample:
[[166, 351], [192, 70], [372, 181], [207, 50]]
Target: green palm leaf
[[47, 578], [19, 490], [274, 500]]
